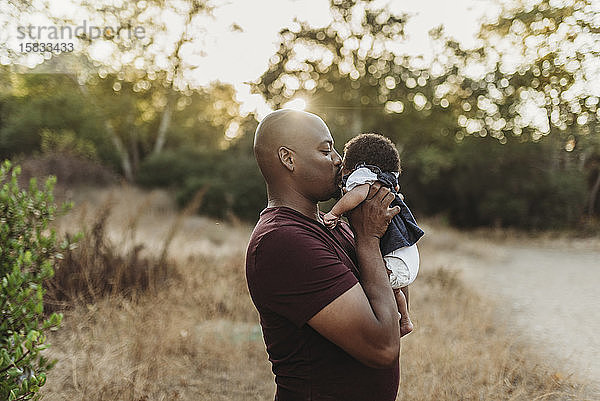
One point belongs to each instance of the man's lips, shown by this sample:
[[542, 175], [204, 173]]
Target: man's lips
[[338, 177]]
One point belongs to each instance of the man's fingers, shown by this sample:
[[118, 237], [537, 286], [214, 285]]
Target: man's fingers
[[394, 211], [388, 198], [382, 192], [373, 190]]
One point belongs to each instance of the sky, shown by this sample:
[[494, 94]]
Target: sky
[[238, 57], [241, 55]]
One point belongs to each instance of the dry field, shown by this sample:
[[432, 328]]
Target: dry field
[[196, 336]]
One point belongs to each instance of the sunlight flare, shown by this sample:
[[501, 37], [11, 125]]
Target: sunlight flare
[[296, 104]]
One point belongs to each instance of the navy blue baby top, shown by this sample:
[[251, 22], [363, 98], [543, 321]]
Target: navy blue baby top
[[403, 230]]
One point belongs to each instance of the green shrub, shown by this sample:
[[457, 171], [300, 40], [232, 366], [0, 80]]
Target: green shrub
[[248, 189], [28, 254], [216, 201], [232, 181], [516, 184], [172, 167]]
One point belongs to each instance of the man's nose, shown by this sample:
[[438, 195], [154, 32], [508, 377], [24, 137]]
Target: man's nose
[[337, 158]]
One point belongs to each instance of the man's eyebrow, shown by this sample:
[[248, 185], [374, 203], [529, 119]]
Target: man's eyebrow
[[327, 142]]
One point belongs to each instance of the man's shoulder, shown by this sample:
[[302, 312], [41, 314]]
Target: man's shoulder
[[280, 229], [282, 220], [283, 230]]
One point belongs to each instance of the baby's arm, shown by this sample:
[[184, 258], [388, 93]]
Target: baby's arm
[[349, 201]]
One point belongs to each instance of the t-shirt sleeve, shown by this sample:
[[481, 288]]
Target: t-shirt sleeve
[[299, 274], [361, 175]]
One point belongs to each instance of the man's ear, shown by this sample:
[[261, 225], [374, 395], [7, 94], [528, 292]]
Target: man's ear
[[286, 156]]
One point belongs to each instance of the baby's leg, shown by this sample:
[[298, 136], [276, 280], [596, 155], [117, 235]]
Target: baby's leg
[[401, 275], [406, 325]]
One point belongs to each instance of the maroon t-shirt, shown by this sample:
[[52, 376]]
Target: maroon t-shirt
[[295, 267]]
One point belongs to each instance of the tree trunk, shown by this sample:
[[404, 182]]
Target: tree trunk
[[583, 157], [163, 128], [125, 162], [165, 120], [121, 150], [135, 151]]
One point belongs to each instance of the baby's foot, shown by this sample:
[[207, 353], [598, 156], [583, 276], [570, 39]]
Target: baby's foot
[[406, 326]]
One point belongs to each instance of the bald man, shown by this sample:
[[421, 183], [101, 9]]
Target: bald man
[[327, 311]]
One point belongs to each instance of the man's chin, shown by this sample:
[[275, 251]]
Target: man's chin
[[337, 194]]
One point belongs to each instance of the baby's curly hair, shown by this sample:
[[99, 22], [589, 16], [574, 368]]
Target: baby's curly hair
[[373, 149]]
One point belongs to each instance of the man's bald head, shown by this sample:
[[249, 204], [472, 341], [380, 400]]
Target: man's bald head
[[295, 153], [283, 128]]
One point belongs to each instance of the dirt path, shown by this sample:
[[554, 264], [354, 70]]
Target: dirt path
[[550, 288]]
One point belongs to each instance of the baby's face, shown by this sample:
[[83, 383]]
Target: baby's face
[[345, 170]]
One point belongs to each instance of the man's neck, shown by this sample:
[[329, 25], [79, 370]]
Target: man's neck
[[307, 208]]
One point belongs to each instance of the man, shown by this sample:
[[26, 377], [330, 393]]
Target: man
[[327, 310]]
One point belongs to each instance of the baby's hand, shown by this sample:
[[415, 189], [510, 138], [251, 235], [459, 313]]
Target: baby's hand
[[330, 220]]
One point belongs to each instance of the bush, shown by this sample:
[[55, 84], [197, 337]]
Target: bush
[[36, 104], [28, 254], [232, 181], [516, 184], [233, 186], [171, 168]]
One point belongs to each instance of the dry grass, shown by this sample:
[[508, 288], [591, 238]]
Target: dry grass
[[192, 341], [93, 267], [199, 338]]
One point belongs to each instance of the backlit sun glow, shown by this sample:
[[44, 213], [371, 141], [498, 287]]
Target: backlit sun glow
[[296, 104]]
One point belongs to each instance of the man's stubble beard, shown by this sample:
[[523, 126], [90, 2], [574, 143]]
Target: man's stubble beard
[[337, 194]]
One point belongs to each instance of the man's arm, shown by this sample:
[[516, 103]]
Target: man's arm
[[364, 320]]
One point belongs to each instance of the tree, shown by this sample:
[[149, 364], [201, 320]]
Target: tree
[[352, 73], [136, 68], [119, 126], [152, 62], [345, 70], [35, 106], [537, 77]]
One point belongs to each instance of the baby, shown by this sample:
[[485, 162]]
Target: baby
[[369, 158]]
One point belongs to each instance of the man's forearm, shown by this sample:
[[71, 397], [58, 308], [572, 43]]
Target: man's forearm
[[375, 283]]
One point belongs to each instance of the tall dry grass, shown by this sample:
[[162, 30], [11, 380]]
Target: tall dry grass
[[92, 268], [198, 338]]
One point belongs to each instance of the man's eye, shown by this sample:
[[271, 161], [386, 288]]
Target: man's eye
[[326, 151]]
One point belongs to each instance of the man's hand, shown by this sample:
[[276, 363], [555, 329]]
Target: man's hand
[[372, 217]]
